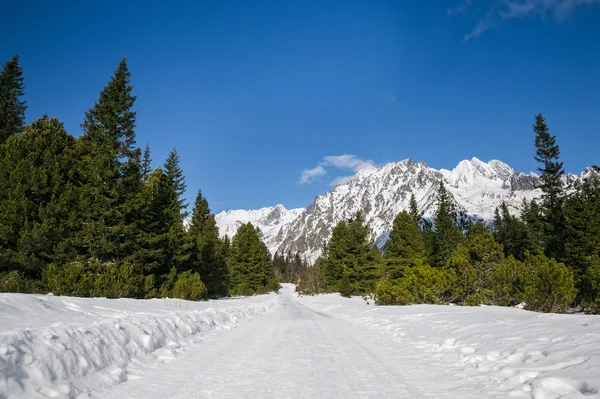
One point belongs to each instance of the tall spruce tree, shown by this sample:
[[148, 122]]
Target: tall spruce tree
[[153, 253], [12, 107], [146, 167], [582, 238], [405, 246], [36, 208], [206, 258], [551, 176], [511, 233], [110, 173], [249, 262], [413, 211], [447, 235], [350, 265]]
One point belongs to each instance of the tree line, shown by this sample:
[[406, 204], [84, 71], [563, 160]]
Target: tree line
[[547, 257], [89, 216]]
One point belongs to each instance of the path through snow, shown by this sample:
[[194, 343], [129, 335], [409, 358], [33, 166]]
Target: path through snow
[[285, 346]]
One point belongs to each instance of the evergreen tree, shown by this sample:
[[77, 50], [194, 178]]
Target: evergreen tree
[[206, 257], [446, 235], [582, 238], [413, 211], [12, 108], [552, 172], [110, 173], [511, 233], [475, 262], [405, 246], [146, 166], [349, 255], [249, 262], [38, 197], [153, 253], [176, 211]]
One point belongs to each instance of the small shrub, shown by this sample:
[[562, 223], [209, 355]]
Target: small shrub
[[550, 286], [388, 293], [13, 281], [70, 279], [189, 286], [149, 287], [118, 281], [242, 289]]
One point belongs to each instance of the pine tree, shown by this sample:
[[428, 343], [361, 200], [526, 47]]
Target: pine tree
[[38, 198], [110, 173], [552, 172], [176, 179], [154, 253], [249, 262], [511, 233], [413, 211], [349, 255], [12, 108], [146, 166], [582, 238], [405, 246], [446, 235], [206, 257]]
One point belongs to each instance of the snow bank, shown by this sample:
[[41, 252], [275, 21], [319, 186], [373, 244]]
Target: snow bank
[[62, 346], [500, 352]]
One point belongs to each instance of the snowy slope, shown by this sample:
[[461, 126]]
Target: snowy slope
[[322, 346], [69, 347], [477, 187], [272, 222]]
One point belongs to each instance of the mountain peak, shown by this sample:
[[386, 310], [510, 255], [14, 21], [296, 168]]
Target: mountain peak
[[477, 188]]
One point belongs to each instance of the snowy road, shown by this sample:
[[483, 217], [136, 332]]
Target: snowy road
[[285, 346], [292, 352]]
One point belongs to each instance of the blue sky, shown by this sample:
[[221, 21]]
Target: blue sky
[[253, 94]]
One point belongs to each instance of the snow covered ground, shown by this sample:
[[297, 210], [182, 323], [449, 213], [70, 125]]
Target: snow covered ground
[[80, 347], [285, 346]]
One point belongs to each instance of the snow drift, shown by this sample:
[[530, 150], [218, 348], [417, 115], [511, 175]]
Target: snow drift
[[493, 351], [63, 346]]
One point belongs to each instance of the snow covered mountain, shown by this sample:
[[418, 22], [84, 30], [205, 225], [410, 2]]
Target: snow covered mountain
[[477, 188], [272, 222]]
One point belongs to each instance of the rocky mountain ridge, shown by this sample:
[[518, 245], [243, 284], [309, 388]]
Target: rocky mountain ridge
[[476, 187]]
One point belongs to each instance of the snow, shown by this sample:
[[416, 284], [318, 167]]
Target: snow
[[270, 221], [288, 346], [66, 347]]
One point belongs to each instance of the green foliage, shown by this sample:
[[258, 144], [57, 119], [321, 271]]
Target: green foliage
[[72, 279], [446, 235], [405, 246], [109, 174], [189, 286], [12, 107], [387, 293], [118, 281], [14, 281], [207, 256], [37, 197], [350, 255], [429, 284], [582, 236], [550, 286], [551, 176], [511, 233], [249, 262]]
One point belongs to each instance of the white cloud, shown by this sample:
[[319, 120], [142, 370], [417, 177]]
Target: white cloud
[[309, 175], [347, 161], [344, 162], [512, 9]]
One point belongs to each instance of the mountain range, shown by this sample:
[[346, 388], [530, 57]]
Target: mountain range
[[476, 187]]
